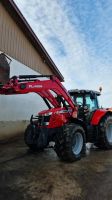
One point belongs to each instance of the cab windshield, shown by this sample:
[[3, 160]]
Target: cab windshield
[[78, 99]]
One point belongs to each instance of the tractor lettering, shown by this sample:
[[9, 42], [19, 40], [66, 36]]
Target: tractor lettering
[[35, 86]]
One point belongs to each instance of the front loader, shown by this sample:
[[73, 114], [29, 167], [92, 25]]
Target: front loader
[[67, 122]]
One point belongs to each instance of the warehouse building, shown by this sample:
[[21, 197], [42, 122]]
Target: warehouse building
[[27, 56]]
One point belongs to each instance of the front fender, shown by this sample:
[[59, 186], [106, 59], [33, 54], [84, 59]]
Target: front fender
[[97, 116]]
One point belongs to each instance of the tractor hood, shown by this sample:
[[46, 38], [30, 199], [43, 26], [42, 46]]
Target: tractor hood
[[54, 111]]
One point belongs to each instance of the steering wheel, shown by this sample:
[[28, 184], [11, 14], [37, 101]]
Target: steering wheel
[[80, 104]]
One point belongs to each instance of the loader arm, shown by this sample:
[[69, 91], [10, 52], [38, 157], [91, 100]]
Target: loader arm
[[24, 84]]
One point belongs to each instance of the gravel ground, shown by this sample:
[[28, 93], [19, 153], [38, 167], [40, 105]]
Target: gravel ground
[[42, 176]]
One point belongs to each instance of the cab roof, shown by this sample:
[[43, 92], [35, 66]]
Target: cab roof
[[83, 91]]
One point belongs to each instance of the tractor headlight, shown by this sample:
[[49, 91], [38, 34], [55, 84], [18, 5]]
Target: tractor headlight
[[48, 114], [44, 119]]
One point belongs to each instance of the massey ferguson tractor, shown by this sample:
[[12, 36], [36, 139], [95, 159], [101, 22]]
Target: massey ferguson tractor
[[72, 119]]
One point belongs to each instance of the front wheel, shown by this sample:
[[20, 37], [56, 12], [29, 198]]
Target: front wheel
[[35, 138], [30, 137], [105, 133], [70, 143]]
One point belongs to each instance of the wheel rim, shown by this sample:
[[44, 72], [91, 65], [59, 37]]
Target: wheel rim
[[109, 133], [77, 143]]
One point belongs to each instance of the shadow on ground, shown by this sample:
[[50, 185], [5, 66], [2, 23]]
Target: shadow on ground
[[42, 176]]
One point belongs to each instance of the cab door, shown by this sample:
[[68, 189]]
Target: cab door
[[79, 101], [91, 105]]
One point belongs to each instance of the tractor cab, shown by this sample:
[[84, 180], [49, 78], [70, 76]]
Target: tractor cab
[[87, 102]]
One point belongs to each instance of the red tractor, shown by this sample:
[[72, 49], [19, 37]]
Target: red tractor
[[72, 119]]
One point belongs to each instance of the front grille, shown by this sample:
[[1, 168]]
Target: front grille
[[43, 120]]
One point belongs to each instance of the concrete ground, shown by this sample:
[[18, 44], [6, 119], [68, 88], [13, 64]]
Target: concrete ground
[[42, 176]]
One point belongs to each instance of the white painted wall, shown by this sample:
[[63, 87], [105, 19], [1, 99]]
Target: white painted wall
[[20, 107]]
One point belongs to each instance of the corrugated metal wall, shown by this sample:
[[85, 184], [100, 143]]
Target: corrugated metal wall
[[14, 43]]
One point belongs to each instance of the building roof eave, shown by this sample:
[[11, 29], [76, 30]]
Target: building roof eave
[[20, 20]]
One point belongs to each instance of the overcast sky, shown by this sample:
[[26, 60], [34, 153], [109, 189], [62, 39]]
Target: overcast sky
[[77, 34]]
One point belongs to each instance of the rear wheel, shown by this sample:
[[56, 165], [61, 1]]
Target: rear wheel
[[70, 143], [105, 133]]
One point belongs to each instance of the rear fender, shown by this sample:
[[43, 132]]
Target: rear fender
[[98, 115]]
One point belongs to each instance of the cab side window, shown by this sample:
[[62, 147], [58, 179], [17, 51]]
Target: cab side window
[[77, 99], [91, 103]]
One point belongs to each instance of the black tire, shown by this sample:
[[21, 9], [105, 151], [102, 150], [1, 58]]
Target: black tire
[[105, 133], [30, 137], [64, 142]]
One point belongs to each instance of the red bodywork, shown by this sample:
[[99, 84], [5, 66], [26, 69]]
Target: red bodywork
[[41, 87], [99, 114], [60, 115]]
